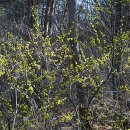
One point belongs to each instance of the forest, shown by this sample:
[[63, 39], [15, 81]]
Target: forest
[[64, 64]]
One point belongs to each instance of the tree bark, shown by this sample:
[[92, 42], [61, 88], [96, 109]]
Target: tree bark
[[48, 17], [117, 47], [75, 61], [30, 20]]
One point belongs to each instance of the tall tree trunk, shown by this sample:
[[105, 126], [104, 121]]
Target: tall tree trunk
[[75, 61], [48, 17], [30, 20], [121, 23], [127, 16], [116, 61]]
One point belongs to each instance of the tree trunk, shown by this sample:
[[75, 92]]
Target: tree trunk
[[48, 17], [30, 20], [75, 61], [116, 59], [127, 16]]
